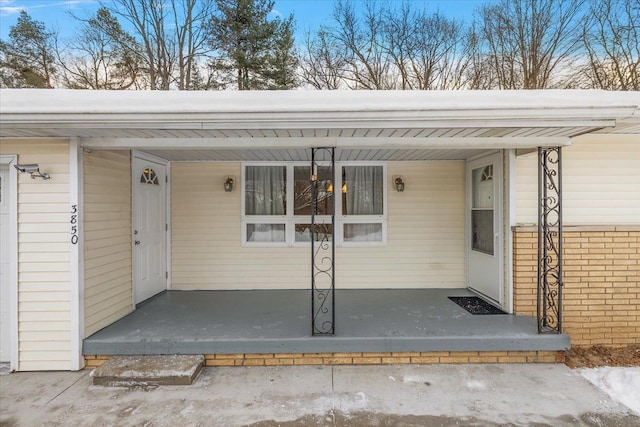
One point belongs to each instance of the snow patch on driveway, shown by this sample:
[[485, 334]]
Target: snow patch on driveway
[[621, 384]]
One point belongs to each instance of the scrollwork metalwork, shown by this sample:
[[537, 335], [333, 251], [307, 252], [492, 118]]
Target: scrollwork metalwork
[[550, 240], [322, 246]]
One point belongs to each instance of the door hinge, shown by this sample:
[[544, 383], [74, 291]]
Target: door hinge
[[167, 274], [166, 178], [166, 227]]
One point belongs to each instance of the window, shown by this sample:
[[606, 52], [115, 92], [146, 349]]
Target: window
[[363, 204], [482, 210], [265, 203], [149, 177], [277, 204]]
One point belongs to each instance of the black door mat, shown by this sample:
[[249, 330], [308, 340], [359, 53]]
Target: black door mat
[[475, 305]]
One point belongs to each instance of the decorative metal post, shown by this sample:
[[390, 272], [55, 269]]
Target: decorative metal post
[[322, 241], [550, 240]]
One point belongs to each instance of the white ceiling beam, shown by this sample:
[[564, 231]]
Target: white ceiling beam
[[308, 142]]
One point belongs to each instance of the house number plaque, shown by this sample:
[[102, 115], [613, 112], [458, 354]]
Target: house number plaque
[[74, 224]]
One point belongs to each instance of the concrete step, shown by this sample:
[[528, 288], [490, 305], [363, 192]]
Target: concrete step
[[131, 371]]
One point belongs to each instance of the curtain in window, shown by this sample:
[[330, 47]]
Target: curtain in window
[[265, 232], [364, 190], [363, 232], [265, 190]]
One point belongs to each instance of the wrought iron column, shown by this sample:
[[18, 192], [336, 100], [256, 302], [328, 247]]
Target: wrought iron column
[[322, 242], [550, 240]]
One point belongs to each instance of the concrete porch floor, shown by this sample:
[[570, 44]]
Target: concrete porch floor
[[278, 321]]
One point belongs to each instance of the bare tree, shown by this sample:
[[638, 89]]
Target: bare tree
[[189, 17], [366, 56], [430, 51], [530, 42], [148, 19], [479, 72], [171, 37], [387, 46], [100, 56], [612, 42], [322, 64]]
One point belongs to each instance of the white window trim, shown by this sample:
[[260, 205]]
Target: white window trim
[[290, 220]]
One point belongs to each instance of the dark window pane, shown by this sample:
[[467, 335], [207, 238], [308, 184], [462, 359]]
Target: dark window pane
[[322, 232], [302, 189], [482, 231], [149, 177]]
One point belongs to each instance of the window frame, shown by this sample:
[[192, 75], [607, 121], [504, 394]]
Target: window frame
[[290, 220], [362, 219]]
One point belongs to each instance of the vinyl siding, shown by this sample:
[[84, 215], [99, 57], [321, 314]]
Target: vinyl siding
[[44, 308], [107, 238], [425, 235], [601, 182]]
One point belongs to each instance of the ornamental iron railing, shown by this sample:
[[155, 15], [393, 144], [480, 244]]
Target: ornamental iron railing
[[322, 241], [549, 240]]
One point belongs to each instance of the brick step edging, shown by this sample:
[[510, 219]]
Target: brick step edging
[[418, 358]]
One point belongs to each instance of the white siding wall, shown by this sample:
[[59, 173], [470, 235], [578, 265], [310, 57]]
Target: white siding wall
[[107, 238], [425, 235], [601, 182], [44, 337]]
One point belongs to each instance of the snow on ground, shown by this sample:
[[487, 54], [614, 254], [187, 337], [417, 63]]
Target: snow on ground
[[621, 384]]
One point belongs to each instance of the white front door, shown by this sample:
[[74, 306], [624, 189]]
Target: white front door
[[484, 225], [5, 332], [149, 207]]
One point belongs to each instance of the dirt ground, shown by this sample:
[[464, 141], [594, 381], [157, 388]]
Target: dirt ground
[[591, 357]]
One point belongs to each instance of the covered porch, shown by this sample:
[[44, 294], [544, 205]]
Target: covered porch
[[278, 321], [219, 294]]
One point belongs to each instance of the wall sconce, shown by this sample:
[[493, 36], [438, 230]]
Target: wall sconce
[[33, 169], [228, 183], [398, 183]]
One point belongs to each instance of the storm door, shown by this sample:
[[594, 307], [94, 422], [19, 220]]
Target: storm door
[[484, 226]]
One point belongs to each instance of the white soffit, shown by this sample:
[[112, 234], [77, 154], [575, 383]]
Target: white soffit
[[304, 155]]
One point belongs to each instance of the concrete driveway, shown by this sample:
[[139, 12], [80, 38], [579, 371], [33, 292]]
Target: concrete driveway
[[406, 395]]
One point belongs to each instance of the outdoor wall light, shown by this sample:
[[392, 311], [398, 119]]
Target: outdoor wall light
[[33, 169], [399, 183], [228, 184]]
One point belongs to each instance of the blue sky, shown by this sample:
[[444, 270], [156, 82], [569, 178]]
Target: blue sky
[[308, 13]]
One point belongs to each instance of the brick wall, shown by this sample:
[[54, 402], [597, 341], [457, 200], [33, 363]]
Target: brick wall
[[601, 282], [284, 359]]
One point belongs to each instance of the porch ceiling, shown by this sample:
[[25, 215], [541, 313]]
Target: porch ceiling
[[362, 125], [296, 155]]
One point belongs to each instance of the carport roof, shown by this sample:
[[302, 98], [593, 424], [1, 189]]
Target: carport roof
[[181, 123]]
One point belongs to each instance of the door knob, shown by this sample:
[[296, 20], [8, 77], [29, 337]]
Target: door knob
[[137, 242]]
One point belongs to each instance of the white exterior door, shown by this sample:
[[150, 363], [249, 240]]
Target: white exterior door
[[5, 332], [149, 207], [484, 227]]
